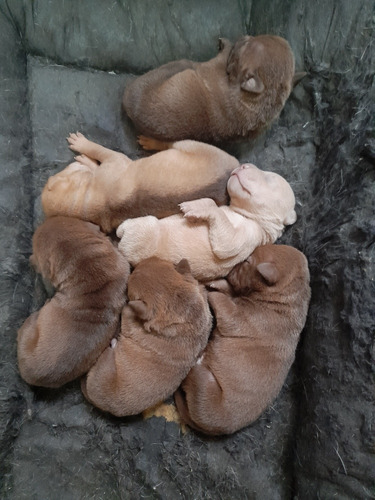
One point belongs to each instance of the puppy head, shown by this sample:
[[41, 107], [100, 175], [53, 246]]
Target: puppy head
[[261, 62], [63, 191], [264, 194], [160, 293], [270, 267], [60, 243]]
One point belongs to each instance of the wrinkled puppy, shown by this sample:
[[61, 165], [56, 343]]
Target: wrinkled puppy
[[235, 95], [120, 188], [253, 345], [214, 239], [63, 340], [164, 329]]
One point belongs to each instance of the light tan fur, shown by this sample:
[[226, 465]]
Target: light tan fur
[[62, 340], [235, 95], [164, 329], [214, 239], [106, 187], [253, 345]]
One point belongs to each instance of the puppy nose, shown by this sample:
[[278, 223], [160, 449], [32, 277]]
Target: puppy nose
[[248, 165]]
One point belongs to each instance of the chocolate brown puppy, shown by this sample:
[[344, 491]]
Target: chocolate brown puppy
[[63, 340], [235, 95], [253, 345], [106, 187], [164, 329]]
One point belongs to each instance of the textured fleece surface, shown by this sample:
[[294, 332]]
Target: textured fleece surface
[[63, 67]]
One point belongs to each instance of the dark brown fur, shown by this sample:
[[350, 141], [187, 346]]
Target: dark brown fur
[[235, 95], [63, 340], [164, 328], [253, 345]]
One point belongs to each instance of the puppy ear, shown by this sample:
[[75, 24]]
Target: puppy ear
[[298, 77], [234, 57], [269, 272], [232, 62], [140, 309], [94, 226], [120, 230], [183, 267], [253, 84], [290, 218]]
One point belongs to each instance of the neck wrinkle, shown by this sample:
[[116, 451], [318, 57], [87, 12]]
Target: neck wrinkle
[[270, 228]]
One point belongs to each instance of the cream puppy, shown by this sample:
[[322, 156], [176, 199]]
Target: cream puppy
[[105, 187], [214, 239]]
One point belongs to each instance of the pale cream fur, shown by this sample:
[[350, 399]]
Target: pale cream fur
[[214, 239]]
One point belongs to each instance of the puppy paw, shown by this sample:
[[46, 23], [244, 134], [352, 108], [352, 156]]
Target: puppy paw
[[198, 209], [220, 285], [76, 141], [150, 144]]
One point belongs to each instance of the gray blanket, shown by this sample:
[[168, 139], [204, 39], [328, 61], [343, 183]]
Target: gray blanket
[[63, 67]]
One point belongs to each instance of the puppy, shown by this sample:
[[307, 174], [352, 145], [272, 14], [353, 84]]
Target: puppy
[[164, 329], [119, 188], [253, 345], [235, 95], [213, 239], [63, 340]]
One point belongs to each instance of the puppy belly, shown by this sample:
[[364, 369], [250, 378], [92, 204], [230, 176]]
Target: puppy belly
[[172, 239]]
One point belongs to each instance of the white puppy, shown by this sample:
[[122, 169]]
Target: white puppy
[[214, 239]]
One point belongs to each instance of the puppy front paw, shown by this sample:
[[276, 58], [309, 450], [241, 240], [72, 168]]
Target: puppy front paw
[[198, 209], [219, 285]]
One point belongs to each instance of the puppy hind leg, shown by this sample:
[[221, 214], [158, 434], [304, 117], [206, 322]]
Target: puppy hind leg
[[85, 160], [100, 384], [202, 400], [78, 142]]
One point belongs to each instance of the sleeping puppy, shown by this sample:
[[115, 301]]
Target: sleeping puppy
[[120, 188], [214, 239], [164, 329], [253, 345], [63, 340], [235, 95]]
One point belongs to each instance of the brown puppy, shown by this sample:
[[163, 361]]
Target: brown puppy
[[120, 188], [164, 329], [63, 340], [253, 345], [235, 95]]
